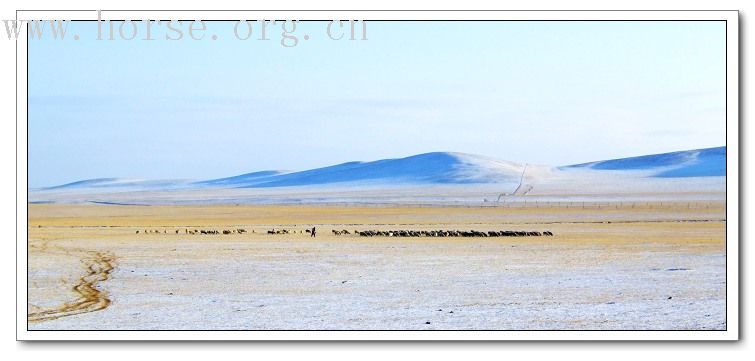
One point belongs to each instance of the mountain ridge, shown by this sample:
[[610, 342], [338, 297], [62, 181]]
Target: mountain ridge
[[436, 168]]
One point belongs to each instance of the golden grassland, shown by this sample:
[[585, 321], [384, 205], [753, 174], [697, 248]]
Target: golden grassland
[[225, 215]]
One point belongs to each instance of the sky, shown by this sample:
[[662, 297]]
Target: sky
[[553, 93]]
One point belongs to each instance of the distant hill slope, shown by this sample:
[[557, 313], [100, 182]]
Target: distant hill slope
[[708, 162], [244, 179], [430, 168], [121, 183]]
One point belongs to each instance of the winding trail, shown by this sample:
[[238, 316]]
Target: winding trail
[[518, 187], [91, 299]]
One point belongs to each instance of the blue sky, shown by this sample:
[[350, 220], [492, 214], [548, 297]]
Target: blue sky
[[538, 92]]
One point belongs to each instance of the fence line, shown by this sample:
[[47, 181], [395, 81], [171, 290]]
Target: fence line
[[527, 204]]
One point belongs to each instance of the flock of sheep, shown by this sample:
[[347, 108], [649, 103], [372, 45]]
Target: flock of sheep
[[196, 231], [431, 233], [370, 233], [453, 233]]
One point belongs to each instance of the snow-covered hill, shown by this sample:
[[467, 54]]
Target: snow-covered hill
[[428, 168], [709, 162]]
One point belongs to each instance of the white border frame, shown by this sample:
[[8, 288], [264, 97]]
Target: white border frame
[[732, 177]]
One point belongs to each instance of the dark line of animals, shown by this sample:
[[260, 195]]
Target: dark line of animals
[[454, 233], [374, 233], [196, 231]]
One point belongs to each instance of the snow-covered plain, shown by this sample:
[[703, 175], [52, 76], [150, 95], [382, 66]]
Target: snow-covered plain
[[666, 273]]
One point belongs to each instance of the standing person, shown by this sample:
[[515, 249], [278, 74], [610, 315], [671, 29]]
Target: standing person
[[314, 230]]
